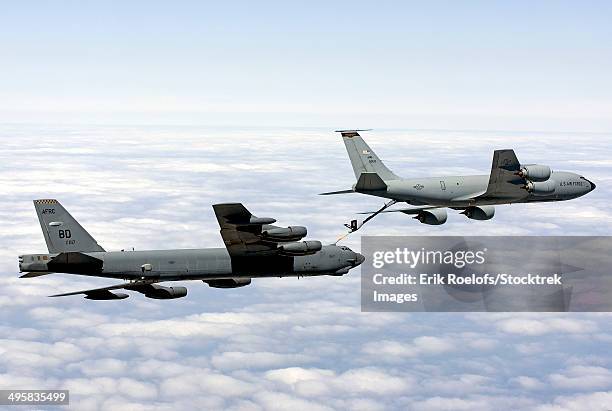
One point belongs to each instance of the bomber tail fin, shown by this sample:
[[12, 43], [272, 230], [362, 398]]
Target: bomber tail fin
[[363, 158], [62, 232]]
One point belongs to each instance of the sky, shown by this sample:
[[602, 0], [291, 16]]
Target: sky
[[138, 116], [517, 65], [280, 344]]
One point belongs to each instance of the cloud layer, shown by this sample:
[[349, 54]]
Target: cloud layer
[[280, 344]]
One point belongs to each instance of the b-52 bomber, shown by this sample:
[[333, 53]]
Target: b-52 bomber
[[475, 196], [253, 248]]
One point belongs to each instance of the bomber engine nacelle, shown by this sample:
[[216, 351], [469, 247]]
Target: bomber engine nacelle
[[301, 248], [479, 212], [543, 188], [291, 233], [534, 172], [165, 293], [433, 216], [228, 282]]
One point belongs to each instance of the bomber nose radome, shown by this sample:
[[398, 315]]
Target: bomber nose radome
[[359, 259], [592, 184]]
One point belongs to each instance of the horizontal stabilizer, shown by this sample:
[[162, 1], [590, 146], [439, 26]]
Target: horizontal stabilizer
[[337, 192], [35, 274]]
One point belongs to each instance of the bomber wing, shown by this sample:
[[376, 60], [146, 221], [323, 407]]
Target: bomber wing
[[504, 183], [242, 232], [148, 288], [96, 293]]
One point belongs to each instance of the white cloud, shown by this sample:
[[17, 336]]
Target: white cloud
[[230, 360], [529, 348], [102, 367], [424, 345], [535, 327], [274, 401], [582, 377], [279, 343], [596, 401], [318, 383], [528, 383]]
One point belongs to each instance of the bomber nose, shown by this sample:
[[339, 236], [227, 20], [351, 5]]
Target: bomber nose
[[592, 185], [359, 259]]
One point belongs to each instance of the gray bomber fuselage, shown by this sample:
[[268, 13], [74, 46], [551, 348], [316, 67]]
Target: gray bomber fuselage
[[193, 264], [254, 248], [460, 191]]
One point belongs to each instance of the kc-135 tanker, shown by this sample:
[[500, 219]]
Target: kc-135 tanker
[[475, 196]]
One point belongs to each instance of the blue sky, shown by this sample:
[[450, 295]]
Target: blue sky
[[475, 65]]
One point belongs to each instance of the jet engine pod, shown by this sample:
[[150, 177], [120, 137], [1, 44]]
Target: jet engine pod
[[301, 248], [542, 188], [535, 172], [479, 212], [291, 233], [433, 216], [165, 293], [228, 282]]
